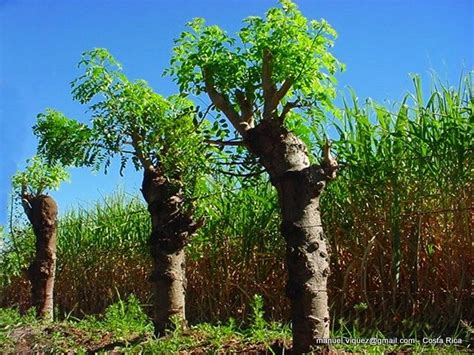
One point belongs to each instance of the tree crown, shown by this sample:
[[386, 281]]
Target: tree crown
[[38, 177], [129, 120], [272, 65]]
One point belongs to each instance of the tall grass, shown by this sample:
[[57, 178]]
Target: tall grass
[[398, 218], [237, 254], [103, 253], [100, 249]]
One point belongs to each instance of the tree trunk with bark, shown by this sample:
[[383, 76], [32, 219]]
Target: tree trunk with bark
[[299, 185], [172, 226], [42, 213]]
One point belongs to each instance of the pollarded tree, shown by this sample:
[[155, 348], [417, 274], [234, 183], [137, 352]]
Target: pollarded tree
[[159, 136], [31, 186], [257, 79]]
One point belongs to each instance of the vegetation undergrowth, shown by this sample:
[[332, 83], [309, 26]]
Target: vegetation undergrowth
[[125, 327]]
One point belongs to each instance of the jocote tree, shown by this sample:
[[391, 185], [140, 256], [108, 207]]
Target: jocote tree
[[160, 138], [273, 79], [31, 186]]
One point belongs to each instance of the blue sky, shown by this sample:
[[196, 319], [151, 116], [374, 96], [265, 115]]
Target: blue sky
[[380, 41]]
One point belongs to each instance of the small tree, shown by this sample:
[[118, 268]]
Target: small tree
[[159, 136], [41, 210], [257, 79]]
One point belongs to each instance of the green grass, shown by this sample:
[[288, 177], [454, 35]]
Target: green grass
[[399, 212], [125, 327]]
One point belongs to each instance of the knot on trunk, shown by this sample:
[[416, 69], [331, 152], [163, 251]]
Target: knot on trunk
[[312, 247], [167, 241], [261, 139], [155, 186], [329, 164], [172, 229], [313, 178]]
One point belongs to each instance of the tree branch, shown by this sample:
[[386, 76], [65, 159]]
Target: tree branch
[[26, 203], [209, 108], [329, 164], [223, 103], [101, 146], [271, 96], [280, 94], [288, 106], [224, 143], [245, 108], [268, 86], [136, 139], [257, 173]]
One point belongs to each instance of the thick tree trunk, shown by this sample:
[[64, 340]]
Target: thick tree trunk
[[299, 185], [307, 261], [171, 229], [42, 212]]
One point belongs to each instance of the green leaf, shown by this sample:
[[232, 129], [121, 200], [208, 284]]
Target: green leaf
[[39, 176]]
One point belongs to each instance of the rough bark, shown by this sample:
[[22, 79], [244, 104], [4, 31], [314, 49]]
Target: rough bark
[[172, 227], [299, 185], [42, 212]]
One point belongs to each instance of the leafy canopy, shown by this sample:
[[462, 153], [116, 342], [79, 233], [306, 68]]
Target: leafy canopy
[[298, 50], [129, 120], [38, 177], [62, 139]]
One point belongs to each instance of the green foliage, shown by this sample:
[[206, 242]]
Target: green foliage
[[299, 49], [129, 120], [415, 137], [398, 213], [257, 316], [423, 151], [3, 236], [16, 243], [122, 322], [230, 218], [220, 334], [118, 222], [62, 139], [95, 335], [351, 335], [39, 176], [16, 251], [126, 317], [103, 72], [158, 130], [10, 319], [261, 331]]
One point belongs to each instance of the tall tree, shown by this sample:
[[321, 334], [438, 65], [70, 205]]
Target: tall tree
[[30, 186], [273, 80], [159, 136]]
